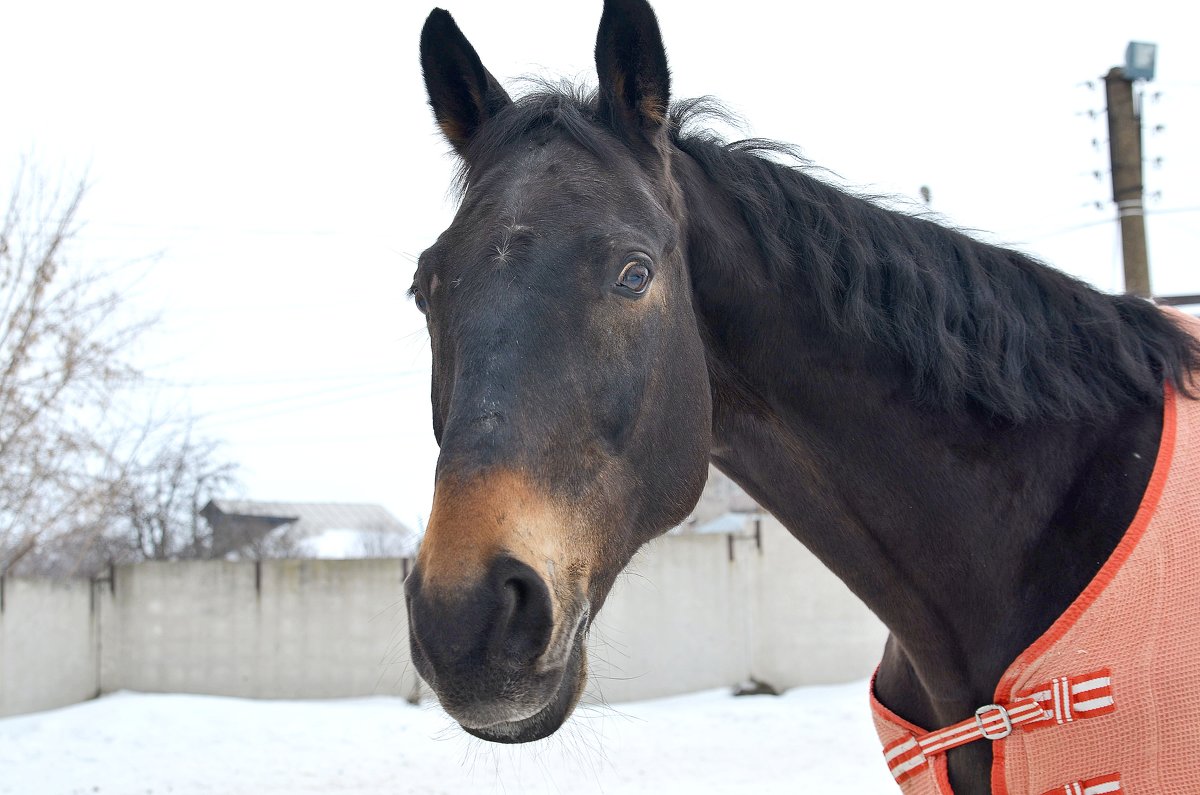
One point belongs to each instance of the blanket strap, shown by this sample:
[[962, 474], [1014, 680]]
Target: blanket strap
[[1062, 700]]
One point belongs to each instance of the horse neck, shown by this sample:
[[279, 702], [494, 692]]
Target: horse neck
[[929, 515]]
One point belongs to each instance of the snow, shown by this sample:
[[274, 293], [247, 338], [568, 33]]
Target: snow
[[344, 544], [816, 739]]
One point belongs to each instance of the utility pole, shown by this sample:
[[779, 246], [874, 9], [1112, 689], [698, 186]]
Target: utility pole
[[1125, 148]]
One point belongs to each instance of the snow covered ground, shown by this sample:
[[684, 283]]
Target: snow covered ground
[[811, 740]]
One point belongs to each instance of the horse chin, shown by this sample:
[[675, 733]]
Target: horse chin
[[550, 717]]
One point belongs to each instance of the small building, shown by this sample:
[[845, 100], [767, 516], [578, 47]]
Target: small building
[[249, 529]]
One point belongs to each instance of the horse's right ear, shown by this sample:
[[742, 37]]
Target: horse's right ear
[[462, 93]]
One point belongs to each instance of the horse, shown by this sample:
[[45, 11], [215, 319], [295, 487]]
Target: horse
[[959, 432]]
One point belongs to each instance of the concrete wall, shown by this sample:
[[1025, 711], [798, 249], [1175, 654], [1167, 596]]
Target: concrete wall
[[683, 617], [809, 629], [280, 629], [48, 644], [674, 623]]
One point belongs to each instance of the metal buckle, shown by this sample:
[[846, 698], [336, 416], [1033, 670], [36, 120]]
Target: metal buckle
[[1000, 733]]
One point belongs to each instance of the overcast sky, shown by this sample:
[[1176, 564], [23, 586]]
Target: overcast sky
[[269, 171]]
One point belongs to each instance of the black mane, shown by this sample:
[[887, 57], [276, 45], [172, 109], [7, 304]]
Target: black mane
[[977, 324]]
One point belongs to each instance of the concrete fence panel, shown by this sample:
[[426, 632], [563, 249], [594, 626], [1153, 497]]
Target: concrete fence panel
[[702, 611], [674, 623], [279, 629], [809, 629], [48, 644]]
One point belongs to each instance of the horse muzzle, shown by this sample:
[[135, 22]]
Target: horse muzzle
[[505, 661]]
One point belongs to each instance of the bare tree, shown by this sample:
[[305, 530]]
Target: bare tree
[[61, 363], [150, 512], [159, 508], [81, 485], [276, 544], [381, 542]]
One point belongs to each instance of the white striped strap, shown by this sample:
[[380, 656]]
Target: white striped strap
[[1109, 784], [906, 757], [992, 722], [1062, 700], [1070, 698]]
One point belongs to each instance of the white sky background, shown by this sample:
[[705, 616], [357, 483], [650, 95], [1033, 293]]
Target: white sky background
[[270, 171]]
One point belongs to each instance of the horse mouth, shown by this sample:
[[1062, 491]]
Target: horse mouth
[[546, 720]]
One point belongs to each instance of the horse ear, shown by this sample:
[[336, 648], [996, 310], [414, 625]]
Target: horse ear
[[635, 83], [462, 93]]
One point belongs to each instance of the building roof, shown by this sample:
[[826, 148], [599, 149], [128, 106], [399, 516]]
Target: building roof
[[723, 508], [350, 544], [307, 529], [733, 522], [312, 518]]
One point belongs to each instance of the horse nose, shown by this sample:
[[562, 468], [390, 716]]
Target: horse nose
[[526, 617], [505, 620]]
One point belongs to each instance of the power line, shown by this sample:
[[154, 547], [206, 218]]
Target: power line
[[234, 230], [1101, 222], [275, 411], [1067, 229], [284, 380], [285, 400], [391, 437]]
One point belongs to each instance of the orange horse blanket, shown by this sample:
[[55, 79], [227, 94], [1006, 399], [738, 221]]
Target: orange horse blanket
[[1108, 699]]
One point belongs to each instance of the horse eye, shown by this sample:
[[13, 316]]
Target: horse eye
[[635, 277], [422, 304]]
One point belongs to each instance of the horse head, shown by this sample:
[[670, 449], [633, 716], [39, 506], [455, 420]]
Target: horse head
[[570, 389]]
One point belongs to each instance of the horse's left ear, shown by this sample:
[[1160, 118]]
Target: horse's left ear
[[635, 84]]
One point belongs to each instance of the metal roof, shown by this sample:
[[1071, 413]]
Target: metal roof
[[734, 522], [723, 508], [311, 518]]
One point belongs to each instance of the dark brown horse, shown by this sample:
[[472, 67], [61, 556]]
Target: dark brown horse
[[959, 432]]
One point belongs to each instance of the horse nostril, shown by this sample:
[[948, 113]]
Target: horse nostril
[[525, 619], [515, 596]]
